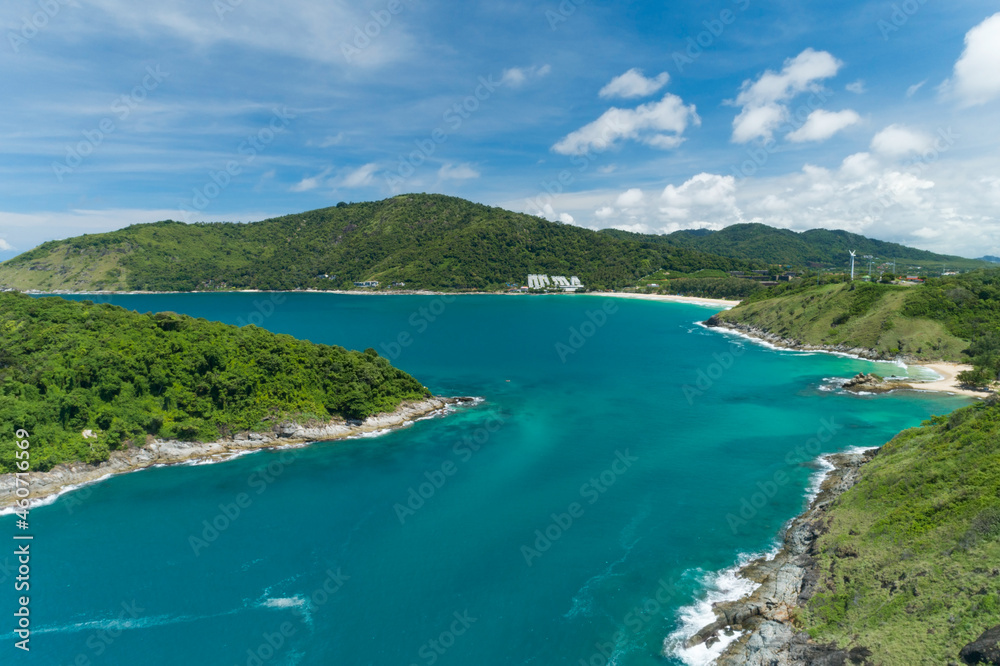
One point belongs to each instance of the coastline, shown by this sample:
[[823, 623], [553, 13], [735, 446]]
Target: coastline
[[948, 371], [764, 619], [669, 298], [694, 300], [46, 486]]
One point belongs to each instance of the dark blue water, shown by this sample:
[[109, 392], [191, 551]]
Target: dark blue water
[[575, 516]]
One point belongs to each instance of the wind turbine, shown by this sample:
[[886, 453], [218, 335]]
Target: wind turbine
[[853, 254]]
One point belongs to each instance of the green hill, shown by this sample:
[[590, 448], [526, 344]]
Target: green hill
[[955, 318], [817, 248], [68, 366], [908, 561], [426, 241]]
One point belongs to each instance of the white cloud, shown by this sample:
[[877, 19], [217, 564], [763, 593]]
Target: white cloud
[[325, 32], [311, 182], [856, 87], [5, 246], [604, 212], [633, 84], [630, 198], [764, 101], [457, 172], [899, 141], [648, 123], [703, 199], [518, 76], [821, 125], [329, 140], [359, 177], [977, 73], [912, 90]]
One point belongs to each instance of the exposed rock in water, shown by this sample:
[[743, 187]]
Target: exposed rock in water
[[983, 650], [872, 383], [787, 581]]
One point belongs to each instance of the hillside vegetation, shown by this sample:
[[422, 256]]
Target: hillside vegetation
[[66, 367], [908, 567], [815, 248], [426, 241], [954, 318]]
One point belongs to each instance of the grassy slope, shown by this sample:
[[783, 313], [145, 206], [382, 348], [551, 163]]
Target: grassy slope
[[427, 241], [69, 366], [809, 316], [909, 567]]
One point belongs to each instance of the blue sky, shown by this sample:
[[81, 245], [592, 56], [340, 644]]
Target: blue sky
[[876, 117]]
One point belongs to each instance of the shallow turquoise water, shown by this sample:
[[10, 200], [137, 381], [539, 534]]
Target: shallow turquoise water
[[636, 480]]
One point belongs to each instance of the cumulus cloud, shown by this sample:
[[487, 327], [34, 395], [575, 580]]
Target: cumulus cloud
[[457, 172], [899, 141], [976, 79], [630, 198], [658, 124], [633, 84], [764, 101], [703, 197], [821, 125], [5, 246], [856, 87], [518, 76]]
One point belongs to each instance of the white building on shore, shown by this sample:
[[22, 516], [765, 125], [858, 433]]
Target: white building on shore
[[555, 282]]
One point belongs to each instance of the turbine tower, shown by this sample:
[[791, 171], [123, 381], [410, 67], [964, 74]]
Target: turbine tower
[[853, 254]]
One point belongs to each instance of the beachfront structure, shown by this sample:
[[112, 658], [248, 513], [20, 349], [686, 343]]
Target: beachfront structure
[[368, 283], [555, 282]]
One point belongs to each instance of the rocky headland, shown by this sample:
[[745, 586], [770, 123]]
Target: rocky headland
[[170, 452]]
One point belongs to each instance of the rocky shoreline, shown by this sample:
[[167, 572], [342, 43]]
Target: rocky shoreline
[[798, 345], [786, 582], [171, 452]]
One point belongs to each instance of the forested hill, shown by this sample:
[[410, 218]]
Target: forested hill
[[67, 367], [816, 248], [426, 241]]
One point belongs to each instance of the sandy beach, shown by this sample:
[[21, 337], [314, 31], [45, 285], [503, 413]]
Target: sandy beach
[[948, 381], [694, 300]]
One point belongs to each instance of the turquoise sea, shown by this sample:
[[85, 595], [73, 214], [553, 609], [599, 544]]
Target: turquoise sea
[[622, 460]]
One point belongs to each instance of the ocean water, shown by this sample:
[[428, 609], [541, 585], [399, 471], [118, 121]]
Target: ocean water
[[586, 512]]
